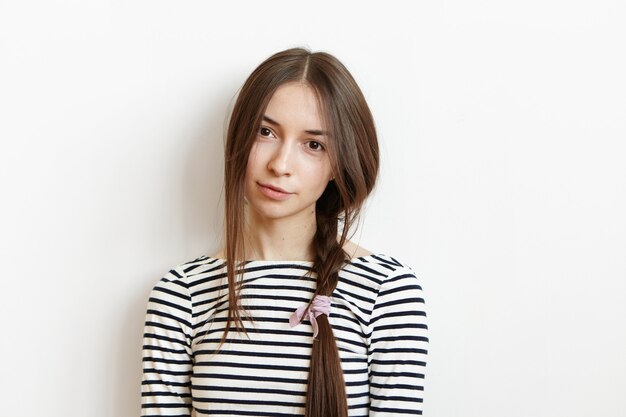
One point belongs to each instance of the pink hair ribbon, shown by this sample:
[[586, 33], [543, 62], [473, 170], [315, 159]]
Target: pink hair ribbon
[[320, 305]]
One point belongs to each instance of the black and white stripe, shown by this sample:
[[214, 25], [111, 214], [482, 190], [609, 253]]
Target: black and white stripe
[[377, 316]]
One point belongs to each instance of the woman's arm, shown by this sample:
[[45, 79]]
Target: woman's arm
[[398, 347], [167, 355]]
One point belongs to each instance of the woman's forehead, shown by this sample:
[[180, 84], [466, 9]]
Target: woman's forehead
[[295, 104]]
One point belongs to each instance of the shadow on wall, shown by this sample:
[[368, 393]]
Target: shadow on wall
[[201, 197], [202, 190], [128, 363]]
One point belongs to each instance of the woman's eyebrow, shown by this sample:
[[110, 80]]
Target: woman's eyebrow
[[315, 132]]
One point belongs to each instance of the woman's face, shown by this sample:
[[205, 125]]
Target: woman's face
[[288, 166]]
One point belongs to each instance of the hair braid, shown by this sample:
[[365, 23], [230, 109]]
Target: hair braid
[[325, 373]]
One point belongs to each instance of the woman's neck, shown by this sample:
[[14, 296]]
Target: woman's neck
[[283, 239]]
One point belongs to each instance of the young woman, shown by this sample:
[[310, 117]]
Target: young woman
[[290, 319]]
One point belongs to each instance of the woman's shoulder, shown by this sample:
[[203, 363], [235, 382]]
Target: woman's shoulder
[[186, 272], [376, 276], [379, 267], [355, 251], [361, 255]]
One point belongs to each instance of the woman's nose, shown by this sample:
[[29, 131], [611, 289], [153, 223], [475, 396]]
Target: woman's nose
[[280, 163]]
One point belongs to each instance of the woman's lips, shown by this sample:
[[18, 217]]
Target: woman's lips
[[275, 193]]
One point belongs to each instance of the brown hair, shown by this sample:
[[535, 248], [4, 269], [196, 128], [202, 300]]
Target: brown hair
[[353, 152]]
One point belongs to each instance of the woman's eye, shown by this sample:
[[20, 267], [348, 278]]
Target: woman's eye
[[263, 131], [315, 146]]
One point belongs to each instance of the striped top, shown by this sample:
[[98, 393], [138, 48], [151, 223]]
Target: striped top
[[377, 315]]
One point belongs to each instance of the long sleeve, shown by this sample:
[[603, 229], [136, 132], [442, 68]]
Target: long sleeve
[[167, 355], [398, 347]]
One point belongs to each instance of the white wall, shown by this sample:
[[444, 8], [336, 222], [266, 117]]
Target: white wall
[[502, 128]]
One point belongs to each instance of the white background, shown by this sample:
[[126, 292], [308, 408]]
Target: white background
[[502, 129]]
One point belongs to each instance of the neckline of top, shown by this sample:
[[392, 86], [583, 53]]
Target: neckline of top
[[296, 262]]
